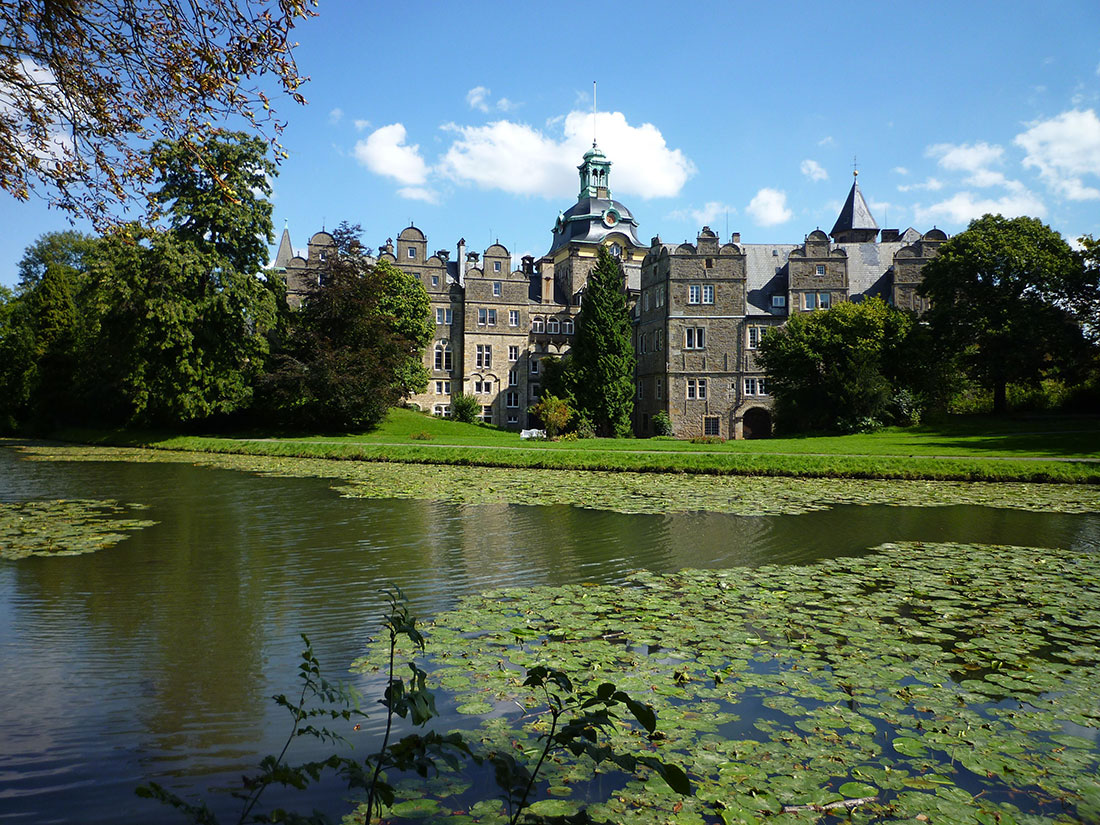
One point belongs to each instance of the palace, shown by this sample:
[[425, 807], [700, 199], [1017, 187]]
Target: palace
[[700, 310]]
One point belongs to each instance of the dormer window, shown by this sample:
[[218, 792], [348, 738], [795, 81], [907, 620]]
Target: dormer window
[[616, 250], [496, 268], [412, 253]]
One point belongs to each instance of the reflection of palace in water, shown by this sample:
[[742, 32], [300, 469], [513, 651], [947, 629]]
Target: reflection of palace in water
[[699, 309]]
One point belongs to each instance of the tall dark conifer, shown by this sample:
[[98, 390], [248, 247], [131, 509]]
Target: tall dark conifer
[[603, 353]]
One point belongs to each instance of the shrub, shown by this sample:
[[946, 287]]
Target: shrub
[[421, 436], [584, 428], [465, 407], [662, 424]]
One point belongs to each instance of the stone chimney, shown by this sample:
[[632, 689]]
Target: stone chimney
[[735, 238]]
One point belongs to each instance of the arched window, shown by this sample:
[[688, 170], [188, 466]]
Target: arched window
[[443, 356], [537, 324], [552, 326]]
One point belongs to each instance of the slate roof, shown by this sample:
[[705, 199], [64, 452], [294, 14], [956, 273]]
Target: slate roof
[[765, 274], [855, 214]]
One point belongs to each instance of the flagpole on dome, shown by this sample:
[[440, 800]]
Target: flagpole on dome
[[593, 114]]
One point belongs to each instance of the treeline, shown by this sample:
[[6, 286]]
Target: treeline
[[180, 324], [1014, 310]]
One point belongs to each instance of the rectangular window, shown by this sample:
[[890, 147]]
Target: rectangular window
[[513, 378], [533, 391], [442, 410], [695, 338], [435, 280], [761, 386], [824, 300], [496, 284], [484, 355], [809, 300], [442, 387], [567, 326], [661, 296], [702, 382], [513, 353], [642, 343], [492, 317], [439, 315], [482, 316], [691, 389], [513, 419], [443, 358], [779, 301], [660, 334], [756, 335], [819, 269], [645, 301], [710, 425], [708, 293], [412, 253], [513, 317], [694, 293], [750, 386], [496, 268], [658, 387], [552, 326], [534, 366], [487, 414]]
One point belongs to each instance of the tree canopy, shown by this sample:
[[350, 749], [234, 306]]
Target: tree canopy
[[85, 88], [1009, 295], [603, 359], [849, 367]]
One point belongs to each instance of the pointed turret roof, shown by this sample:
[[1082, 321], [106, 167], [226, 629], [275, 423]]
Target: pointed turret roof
[[286, 251], [855, 215]]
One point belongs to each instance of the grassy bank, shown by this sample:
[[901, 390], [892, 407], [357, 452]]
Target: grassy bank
[[1038, 449]]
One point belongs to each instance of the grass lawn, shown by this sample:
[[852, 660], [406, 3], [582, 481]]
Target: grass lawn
[[1032, 448]]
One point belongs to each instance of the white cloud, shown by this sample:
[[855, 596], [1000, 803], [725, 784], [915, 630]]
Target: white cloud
[[477, 98], [335, 115], [505, 105], [521, 159], [812, 169], [360, 125], [769, 207], [419, 193], [706, 216], [35, 87], [826, 141], [965, 206], [384, 152], [900, 170], [965, 157], [1065, 149], [932, 185]]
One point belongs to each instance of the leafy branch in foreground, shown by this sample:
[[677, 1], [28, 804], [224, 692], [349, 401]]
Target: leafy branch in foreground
[[577, 718]]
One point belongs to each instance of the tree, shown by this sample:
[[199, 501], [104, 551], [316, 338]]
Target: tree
[[215, 193], [603, 355], [86, 87], [465, 407], [852, 366], [1003, 294], [182, 335], [353, 349]]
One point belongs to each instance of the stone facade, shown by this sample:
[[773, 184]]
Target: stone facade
[[700, 310]]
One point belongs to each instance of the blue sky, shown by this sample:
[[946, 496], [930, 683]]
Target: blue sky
[[469, 119]]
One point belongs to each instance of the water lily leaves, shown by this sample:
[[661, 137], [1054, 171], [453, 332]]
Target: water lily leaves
[[909, 747], [64, 527]]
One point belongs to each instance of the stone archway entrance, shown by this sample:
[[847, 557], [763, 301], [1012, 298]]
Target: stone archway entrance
[[757, 423]]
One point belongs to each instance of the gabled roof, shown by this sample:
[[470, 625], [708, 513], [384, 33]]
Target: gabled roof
[[855, 214]]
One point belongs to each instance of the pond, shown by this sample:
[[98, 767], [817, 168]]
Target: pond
[[155, 659]]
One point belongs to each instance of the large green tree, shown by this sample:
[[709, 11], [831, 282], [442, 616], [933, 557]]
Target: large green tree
[[215, 195], [852, 366], [1007, 294], [603, 355], [353, 349]]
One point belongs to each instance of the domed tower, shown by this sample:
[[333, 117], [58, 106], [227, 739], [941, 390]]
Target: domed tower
[[595, 220]]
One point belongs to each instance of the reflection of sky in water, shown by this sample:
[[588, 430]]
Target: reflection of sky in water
[[155, 659]]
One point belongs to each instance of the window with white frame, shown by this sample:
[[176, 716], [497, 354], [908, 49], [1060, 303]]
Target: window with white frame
[[710, 425], [411, 253], [537, 324], [513, 419], [492, 317], [443, 357], [487, 414], [496, 268], [435, 280], [552, 326], [534, 366], [695, 293], [824, 300], [756, 335], [779, 301], [513, 353], [697, 389], [816, 300], [513, 317], [512, 400], [496, 284], [755, 386], [442, 410], [695, 338], [567, 326], [442, 387], [708, 293], [482, 387], [483, 357], [482, 316], [513, 378], [819, 269]]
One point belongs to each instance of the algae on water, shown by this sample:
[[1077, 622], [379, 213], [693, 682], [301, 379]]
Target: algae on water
[[63, 527]]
